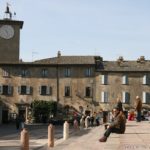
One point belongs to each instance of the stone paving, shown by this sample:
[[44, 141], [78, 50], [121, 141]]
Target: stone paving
[[10, 137], [136, 137]]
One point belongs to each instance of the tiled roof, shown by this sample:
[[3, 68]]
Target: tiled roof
[[68, 60], [126, 66], [111, 66]]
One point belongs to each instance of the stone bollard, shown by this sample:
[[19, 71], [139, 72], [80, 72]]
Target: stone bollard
[[66, 130], [24, 139], [50, 135]]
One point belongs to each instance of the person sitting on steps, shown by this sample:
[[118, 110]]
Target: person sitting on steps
[[116, 126]]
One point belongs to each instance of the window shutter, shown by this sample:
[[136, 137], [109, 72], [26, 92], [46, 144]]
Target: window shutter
[[19, 89], [104, 96], [40, 90], [50, 90], [28, 90], [146, 98], [104, 79], [125, 79], [126, 97], [47, 90], [145, 79], [9, 89], [1, 89], [68, 72], [46, 73], [89, 71], [91, 92]]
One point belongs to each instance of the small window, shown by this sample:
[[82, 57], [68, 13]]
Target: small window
[[104, 79], [24, 73], [5, 89], [45, 90], [104, 97], [67, 90], [24, 90], [125, 79], [126, 97], [146, 97], [44, 73], [1, 89], [67, 72], [88, 92], [88, 72], [6, 73]]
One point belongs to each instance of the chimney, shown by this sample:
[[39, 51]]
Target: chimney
[[141, 59], [58, 54], [120, 60]]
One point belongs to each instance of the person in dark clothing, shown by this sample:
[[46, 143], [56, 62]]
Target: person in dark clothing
[[17, 122], [117, 126], [138, 108], [119, 104]]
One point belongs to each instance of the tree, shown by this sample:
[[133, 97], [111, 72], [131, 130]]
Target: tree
[[43, 109]]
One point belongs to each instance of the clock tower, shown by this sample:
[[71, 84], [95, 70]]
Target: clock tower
[[9, 38]]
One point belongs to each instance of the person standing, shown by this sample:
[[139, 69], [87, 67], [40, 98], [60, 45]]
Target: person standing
[[119, 104], [17, 122], [138, 108], [82, 123]]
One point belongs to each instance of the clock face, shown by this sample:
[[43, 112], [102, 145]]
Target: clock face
[[6, 31]]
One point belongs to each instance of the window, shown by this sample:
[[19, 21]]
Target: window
[[5, 89], [125, 79], [67, 90], [104, 79], [146, 79], [44, 73], [24, 73], [88, 72], [146, 97], [6, 73], [24, 90], [67, 72], [45, 90], [88, 92], [126, 97], [104, 97]]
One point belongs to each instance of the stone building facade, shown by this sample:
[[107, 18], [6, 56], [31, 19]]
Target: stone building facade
[[85, 83]]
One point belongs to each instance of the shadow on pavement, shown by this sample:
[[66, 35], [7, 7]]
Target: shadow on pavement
[[80, 132], [9, 148]]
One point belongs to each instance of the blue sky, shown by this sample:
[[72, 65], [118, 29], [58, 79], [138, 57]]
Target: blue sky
[[110, 28]]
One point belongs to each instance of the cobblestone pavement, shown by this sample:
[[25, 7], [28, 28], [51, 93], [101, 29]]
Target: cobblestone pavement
[[136, 137]]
